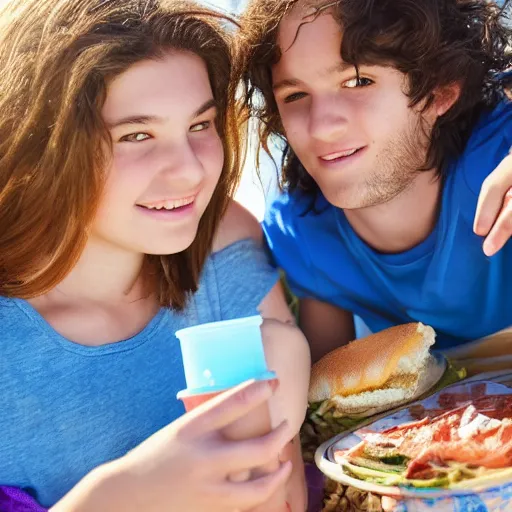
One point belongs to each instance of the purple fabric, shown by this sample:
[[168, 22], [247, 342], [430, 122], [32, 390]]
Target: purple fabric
[[315, 480], [13, 499]]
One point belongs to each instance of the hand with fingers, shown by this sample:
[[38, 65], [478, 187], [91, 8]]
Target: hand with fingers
[[186, 465], [493, 219]]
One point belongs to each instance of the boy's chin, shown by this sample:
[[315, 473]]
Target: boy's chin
[[342, 198], [352, 198]]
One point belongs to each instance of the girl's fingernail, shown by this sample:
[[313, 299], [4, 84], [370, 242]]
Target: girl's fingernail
[[274, 384]]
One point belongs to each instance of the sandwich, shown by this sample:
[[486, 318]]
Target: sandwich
[[368, 376], [375, 373]]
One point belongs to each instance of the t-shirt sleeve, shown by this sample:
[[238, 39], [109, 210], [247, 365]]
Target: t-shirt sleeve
[[244, 277], [287, 249]]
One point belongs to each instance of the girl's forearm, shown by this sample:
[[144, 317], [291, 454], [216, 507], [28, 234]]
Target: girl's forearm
[[99, 491], [296, 490]]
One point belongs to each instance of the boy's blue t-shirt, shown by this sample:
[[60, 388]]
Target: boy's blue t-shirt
[[446, 281], [67, 408]]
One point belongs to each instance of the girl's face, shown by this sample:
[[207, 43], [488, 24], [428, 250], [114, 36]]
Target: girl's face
[[167, 155]]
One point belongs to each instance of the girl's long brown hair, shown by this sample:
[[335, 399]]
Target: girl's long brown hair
[[56, 58]]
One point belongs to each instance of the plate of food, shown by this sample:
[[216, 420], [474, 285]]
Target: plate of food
[[456, 442], [369, 377]]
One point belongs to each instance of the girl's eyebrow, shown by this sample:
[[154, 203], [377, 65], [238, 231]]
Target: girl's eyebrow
[[136, 119], [211, 103], [143, 119]]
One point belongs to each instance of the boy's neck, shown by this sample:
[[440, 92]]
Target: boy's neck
[[403, 222]]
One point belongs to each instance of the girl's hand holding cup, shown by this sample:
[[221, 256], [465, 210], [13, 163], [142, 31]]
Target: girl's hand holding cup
[[186, 466], [217, 356]]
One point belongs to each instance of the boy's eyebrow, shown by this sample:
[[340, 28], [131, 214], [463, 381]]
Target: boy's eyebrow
[[141, 119], [287, 82], [293, 82]]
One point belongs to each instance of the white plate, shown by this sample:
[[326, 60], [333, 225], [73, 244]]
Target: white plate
[[324, 456]]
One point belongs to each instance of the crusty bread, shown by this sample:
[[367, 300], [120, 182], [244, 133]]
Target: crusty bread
[[390, 362], [394, 393]]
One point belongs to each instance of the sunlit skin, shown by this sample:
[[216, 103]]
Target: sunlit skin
[[166, 152], [356, 134]]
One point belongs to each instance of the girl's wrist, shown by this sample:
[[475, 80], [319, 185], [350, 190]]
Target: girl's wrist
[[101, 490]]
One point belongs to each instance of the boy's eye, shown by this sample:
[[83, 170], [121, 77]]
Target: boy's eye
[[199, 127], [360, 81], [135, 137], [294, 97]]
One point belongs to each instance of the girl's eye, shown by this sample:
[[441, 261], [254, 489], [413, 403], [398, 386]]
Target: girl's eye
[[294, 97], [200, 126], [135, 137], [360, 81]]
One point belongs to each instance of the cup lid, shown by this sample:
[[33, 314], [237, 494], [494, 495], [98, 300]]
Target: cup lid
[[249, 321]]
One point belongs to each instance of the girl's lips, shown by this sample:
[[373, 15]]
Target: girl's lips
[[179, 213], [169, 204]]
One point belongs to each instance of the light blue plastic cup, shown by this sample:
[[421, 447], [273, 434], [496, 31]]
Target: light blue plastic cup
[[220, 355]]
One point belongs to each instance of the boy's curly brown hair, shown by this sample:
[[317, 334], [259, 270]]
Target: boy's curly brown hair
[[434, 42]]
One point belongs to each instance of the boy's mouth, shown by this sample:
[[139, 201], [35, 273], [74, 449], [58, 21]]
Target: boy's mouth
[[340, 155]]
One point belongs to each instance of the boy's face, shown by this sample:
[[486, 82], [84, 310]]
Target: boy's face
[[361, 142]]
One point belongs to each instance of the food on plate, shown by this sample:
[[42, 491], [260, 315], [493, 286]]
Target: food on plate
[[368, 376], [450, 399], [469, 443]]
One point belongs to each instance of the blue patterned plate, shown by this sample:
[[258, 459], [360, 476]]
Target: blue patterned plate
[[499, 485]]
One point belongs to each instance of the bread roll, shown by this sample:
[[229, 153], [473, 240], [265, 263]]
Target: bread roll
[[384, 368]]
